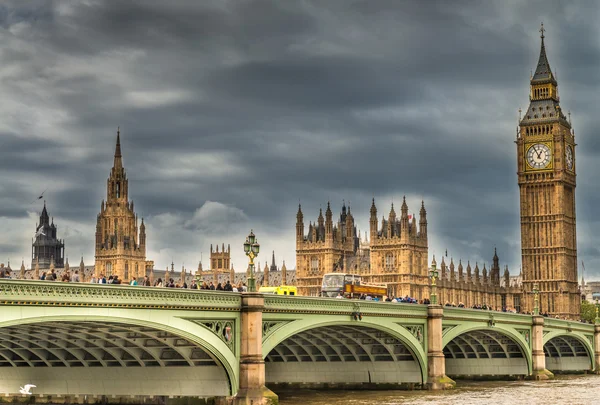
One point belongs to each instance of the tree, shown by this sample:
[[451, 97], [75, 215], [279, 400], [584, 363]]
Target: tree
[[588, 311]]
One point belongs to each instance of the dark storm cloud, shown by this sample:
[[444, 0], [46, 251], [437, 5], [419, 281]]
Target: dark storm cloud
[[233, 111]]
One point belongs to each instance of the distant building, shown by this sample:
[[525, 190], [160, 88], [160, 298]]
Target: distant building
[[120, 247], [46, 247]]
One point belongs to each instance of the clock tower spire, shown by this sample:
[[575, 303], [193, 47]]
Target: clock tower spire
[[546, 177]]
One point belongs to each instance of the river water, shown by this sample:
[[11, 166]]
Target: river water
[[562, 390]]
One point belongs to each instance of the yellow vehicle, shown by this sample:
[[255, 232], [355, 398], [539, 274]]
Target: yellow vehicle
[[281, 290], [350, 286]]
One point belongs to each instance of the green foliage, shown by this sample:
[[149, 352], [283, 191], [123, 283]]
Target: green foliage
[[588, 311]]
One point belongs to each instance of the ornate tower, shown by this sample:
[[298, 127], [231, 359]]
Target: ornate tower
[[119, 250], [46, 245], [326, 248], [546, 176]]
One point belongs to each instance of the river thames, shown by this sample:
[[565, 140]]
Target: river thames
[[563, 390]]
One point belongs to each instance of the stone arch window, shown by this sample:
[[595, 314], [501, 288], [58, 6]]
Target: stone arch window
[[109, 269], [126, 274], [118, 189], [389, 262], [314, 265]]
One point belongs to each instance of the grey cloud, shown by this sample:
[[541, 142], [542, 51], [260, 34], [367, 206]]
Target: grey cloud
[[255, 105]]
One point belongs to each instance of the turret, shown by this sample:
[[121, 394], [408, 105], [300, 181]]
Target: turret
[[506, 277], [485, 275], [391, 223], [469, 277], [373, 221], [266, 275], [495, 270], [404, 220], [67, 267], [476, 273], [452, 273], [461, 276], [299, 225], [283, 274], [423, 221], [443, 269], [321, 225], [328, 223], [143, 235], [22, 275], [349, 226]]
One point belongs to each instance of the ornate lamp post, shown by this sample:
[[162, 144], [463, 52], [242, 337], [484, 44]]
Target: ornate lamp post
[[251, 248], [597, 319], [434, 276], [536, 299]]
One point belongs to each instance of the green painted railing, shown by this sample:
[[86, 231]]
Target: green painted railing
[[332, 306], [33, 292]]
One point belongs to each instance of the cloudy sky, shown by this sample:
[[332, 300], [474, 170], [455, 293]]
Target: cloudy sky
[[231, 112]]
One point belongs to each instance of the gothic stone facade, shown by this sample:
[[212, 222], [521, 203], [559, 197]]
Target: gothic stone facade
[[396, 255], [119, 249], [471, 288], [546, 176], [325, 249]]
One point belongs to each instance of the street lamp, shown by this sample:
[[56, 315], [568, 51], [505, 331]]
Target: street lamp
[[434, 276], [536, 299], [251, 248], [597, 319]]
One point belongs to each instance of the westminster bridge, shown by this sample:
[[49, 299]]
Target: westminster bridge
[[77, 340]]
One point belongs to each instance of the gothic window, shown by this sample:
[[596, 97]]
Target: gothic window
[[126, 276], [118, 189], [314, 265], [137, 269], [389, 262], [109, 269]]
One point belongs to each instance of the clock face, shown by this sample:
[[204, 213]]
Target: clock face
[[538, 156], [569, 157]]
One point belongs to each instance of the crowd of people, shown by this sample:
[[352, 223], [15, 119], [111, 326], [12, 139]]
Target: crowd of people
[[74, 277]]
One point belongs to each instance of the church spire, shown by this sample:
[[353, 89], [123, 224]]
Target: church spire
[[118, 157]]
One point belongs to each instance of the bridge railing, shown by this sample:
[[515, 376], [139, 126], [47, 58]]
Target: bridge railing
[[314, 305], [468, 314], [34, 292], [568, 325]]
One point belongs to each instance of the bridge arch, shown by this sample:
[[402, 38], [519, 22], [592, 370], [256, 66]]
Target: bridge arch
[[380, 351], [135, 345], [568, 352], [506, 352]]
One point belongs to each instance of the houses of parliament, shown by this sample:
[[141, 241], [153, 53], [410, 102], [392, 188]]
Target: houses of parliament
[[396, 249]]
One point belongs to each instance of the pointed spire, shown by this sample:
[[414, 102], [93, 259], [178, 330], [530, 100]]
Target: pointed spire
[[373, 208], [404, 207], [392, 212], [118, 157], [542, 71]]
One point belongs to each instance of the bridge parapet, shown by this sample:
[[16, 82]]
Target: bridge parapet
[[475, 315], [332, 306], [46, 293]]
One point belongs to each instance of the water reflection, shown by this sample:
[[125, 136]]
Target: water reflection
[[562, 390]]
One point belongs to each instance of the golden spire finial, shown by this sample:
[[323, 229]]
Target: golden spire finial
[[542, 30]]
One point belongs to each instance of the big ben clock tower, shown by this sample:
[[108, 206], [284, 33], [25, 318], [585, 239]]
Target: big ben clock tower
[[546, 171]]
